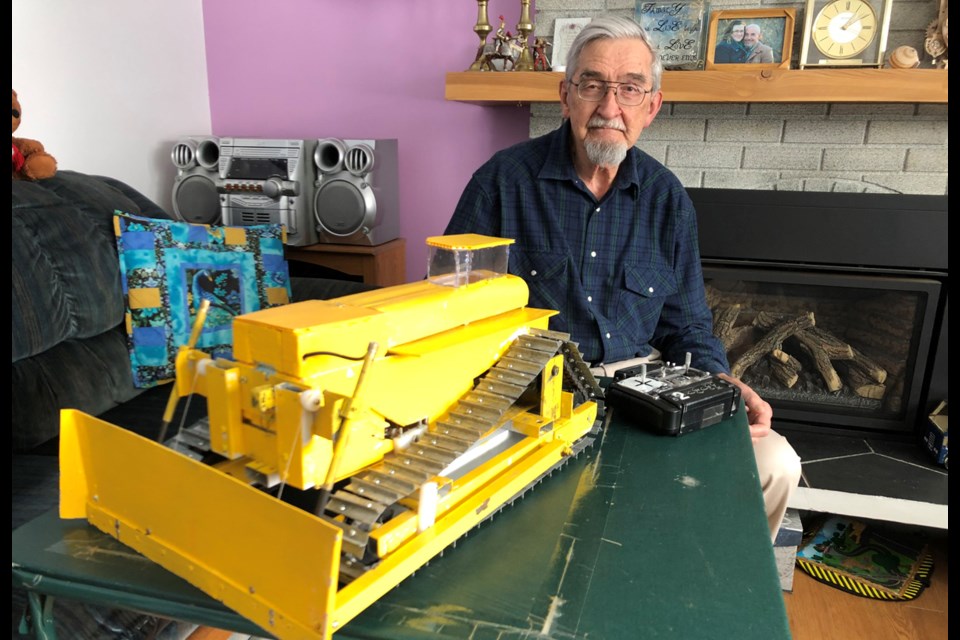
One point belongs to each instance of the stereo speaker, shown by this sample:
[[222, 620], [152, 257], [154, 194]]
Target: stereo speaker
[[356, 196], [195, 195]]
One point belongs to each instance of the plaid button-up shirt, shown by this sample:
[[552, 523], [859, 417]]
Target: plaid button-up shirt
[[624, 272]]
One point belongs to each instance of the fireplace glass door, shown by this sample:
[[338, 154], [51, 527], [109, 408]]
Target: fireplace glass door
[[840, 349]]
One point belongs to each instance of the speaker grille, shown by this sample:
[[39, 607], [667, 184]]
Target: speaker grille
[[359, 160], [183, 155], [197, 200], [340, 208], [249, 218]]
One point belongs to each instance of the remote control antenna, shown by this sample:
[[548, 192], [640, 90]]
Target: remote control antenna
[[686, 362]]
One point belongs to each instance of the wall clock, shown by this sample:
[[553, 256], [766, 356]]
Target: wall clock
[[845, 33]]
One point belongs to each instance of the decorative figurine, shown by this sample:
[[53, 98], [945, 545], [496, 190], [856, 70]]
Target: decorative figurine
[[540, 60], [904, 57], [501, 54], [936, 42]]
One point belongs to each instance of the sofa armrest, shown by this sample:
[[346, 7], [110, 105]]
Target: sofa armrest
[[147, 207]]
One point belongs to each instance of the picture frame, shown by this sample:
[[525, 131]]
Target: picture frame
[[565, 30], [772, 51], [677, 30]]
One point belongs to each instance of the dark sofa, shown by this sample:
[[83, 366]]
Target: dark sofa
[[69, 340], [69, 345]]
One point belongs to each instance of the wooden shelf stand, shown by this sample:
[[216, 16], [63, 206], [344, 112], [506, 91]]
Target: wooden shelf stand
[[382, 264], [762, 85]]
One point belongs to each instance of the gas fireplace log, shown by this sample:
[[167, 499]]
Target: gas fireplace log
[[785, 367], [836, 348], [772, 340], [822, 363], [868, 367], [768, 319], [713, 296], [732, 337], [724, 318], [824, 346], [737, 337], [814, 337], [861, 384]]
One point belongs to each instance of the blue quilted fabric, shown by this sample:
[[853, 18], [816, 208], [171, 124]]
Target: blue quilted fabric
[[167, 268]]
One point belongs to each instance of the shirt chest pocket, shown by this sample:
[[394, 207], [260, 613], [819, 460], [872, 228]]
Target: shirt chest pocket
[[650, 281], [535, 266], [545, 273]]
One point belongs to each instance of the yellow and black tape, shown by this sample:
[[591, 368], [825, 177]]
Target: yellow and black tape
[[909, 591]]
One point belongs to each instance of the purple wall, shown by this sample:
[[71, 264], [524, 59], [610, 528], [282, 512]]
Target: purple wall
[[362, 69]]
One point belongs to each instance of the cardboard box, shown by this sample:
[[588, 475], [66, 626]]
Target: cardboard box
[[935, 436]]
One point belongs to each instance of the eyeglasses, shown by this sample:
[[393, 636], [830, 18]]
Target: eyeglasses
[[627, 93]]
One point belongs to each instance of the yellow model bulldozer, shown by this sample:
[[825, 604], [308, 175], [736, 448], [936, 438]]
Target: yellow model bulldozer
[[410, 413]]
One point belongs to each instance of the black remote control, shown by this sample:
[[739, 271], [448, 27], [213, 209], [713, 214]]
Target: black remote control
[[672, 399]]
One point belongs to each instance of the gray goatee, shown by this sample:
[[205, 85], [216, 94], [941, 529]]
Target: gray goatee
[[605, 153]]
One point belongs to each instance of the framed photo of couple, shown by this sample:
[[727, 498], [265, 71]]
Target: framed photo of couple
[[750, 39]]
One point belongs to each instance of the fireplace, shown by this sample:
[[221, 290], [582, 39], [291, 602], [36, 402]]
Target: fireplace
[[831, 305]]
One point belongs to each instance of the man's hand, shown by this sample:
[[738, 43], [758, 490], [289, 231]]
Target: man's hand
[[759, 411]]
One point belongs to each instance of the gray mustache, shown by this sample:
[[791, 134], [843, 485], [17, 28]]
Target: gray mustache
[[600, 123]]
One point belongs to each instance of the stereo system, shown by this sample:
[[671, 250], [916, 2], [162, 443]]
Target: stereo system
[[329, 190]]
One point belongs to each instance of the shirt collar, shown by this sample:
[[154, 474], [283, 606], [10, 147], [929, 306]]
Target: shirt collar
[[558, 164]]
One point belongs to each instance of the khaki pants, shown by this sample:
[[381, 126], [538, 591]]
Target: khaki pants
[[778, 466]]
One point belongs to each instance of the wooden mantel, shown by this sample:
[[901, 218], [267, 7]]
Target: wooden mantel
[[763, 85]]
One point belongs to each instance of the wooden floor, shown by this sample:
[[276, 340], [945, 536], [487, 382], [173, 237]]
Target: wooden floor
[[817, 611]]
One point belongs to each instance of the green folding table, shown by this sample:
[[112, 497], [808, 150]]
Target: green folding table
[[640, 536]]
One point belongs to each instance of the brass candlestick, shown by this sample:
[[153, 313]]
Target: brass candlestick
[[482, 29], [524, 28]]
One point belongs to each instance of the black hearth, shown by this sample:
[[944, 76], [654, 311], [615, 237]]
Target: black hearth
[[832, 305]]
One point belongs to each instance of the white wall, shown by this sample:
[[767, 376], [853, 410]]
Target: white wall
[[108, 85]]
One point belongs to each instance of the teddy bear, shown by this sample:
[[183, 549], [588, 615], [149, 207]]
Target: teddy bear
[[30, 161]]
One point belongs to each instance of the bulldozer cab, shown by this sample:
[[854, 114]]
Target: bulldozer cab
[[457, 260]]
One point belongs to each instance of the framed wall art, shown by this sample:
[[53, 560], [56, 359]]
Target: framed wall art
[[750, 38], [564, 32], [677, 30]]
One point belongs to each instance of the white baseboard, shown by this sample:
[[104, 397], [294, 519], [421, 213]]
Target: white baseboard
[[872, 507]]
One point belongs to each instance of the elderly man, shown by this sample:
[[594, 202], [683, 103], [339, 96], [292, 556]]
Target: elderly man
[[756, 50], [607, 235]]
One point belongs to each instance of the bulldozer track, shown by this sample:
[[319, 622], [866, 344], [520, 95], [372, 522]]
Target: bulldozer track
[[358, 507]]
